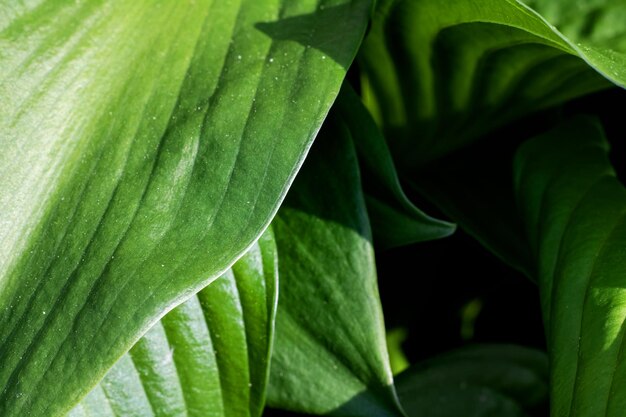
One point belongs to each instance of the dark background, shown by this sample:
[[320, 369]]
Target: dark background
[[424, 287]]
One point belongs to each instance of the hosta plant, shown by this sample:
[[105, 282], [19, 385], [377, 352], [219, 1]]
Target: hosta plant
[[194, 197]]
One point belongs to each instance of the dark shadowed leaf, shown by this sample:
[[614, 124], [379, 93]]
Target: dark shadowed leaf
[[395, 220], [477, 381], [439, 74]]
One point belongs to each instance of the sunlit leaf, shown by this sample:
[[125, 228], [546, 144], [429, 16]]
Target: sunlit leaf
[[145, 146], [573, 208], [209, 356]]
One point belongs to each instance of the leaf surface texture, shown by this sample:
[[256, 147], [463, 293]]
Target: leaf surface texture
[[330, 355], [145, 147]]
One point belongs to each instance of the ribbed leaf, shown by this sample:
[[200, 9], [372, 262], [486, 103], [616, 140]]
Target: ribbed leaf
[[145, 146], [330, 355], [439, 74], [208, 357], [478, 381], [573, 207], [395, 220]]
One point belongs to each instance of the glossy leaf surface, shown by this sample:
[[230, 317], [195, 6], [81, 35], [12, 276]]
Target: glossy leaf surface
[[208, 357], [145, 146], [330, 355]]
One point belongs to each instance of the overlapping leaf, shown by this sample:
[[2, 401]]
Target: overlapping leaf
[[477, 381], [330, 355], [209, 356], [395, 220], [439, 74], [145, 146]]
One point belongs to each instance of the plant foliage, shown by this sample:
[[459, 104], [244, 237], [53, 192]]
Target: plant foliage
[[147, 146]]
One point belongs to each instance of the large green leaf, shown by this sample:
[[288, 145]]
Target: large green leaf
[[439, 74], [395, 220], [145, 146], [477, 381], [209, 356], [330, 355], [573, 208]]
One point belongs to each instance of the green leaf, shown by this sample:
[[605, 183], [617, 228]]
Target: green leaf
[[209, 356], [395, 220], [439, 74], [573, 207], [145, 146], [330, 355], [481, 380]]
